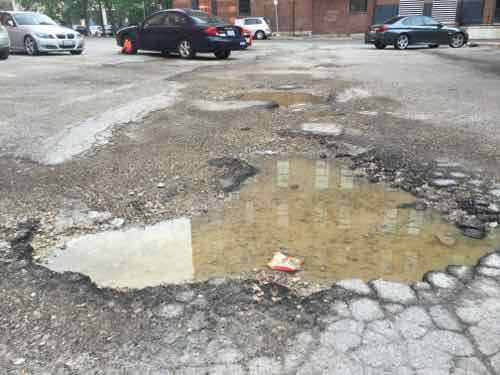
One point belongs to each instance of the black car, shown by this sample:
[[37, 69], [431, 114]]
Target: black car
[[402, 32], [82, 30], [182, 31]]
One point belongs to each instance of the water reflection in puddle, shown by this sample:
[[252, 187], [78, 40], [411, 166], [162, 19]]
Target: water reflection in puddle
[[343, 228]]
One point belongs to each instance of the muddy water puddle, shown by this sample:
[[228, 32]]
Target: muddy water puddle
[[284, 99], [343, 227]]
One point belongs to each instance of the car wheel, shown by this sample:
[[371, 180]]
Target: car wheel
[[30, 46], [457, 40], [402, 42], [4, 55], [221, 55], [380, 45], [185, 49], [76, 52], [129, 47], [260, 35]]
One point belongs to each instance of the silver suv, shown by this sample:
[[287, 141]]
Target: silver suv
[[35, 32], [258, 26]]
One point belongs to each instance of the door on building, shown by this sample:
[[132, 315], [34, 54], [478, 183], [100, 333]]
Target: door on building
[[244, 8], [471, 12], [497, 12]]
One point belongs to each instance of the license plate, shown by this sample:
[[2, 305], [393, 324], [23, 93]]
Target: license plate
[[68, 43], [230, 33]]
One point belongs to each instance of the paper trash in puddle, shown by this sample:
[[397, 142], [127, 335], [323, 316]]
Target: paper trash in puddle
[[283, 262]]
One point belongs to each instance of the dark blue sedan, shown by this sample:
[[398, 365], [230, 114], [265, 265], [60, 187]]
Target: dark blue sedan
[[402, 32], [183, 31]]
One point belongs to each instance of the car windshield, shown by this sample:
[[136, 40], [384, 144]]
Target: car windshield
[[393, 20], [202, 17], [33, 19]]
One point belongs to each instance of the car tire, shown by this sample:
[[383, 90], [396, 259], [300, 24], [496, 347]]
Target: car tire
[[457, 40], [76, 52], [259, 35], [4, 55], [30, 46], [185, 49], [402, 42], [222, 55], [433, 45], [380, 45], [128, 46]]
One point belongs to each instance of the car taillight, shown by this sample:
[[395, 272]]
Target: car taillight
[[382, 29], [211, 31]]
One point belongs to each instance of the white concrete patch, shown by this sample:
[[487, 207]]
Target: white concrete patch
[[353, 93], [74, 140], [232, 105], [323, 128]]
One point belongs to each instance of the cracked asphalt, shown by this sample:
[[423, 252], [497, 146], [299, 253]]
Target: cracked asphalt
[[131, 135]]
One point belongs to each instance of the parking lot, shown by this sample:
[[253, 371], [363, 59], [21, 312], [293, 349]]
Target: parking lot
[[135, 137]]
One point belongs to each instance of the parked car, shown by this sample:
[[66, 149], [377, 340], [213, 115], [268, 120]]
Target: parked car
[[4, 43], [83, 30], [404, 31], [259, 26], [108, 30], [96, 31], [35, 32], [183, 31]]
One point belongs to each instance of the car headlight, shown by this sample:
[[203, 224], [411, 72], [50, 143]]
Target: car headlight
[[44, 36]]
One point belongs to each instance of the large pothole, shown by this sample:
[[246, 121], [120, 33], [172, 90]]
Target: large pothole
[[342, 226]]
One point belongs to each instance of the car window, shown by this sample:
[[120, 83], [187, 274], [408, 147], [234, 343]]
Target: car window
[[175, 19], [33, 19], [250, 21], [413, 21], [202, 17], [430, 21], [155, 20], [393, 20]]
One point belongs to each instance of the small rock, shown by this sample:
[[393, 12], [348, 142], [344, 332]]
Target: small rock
[[478, 234], [444, 182], [161, 185], [495, 192], [446, 239], [458, 175], [117, 223]]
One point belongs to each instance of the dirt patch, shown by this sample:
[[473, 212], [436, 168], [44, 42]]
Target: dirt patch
[[285, 99]]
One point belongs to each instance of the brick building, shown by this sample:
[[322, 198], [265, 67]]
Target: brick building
[[482, 17]]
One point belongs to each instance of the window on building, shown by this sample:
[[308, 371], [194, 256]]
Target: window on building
[[195, 4], [358, 5], [244, 7]]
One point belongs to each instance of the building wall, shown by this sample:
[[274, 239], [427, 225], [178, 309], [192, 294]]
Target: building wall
[[292, 14], [335, 17]]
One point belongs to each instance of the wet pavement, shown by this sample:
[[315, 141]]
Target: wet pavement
[[342, 226], [137, 171]]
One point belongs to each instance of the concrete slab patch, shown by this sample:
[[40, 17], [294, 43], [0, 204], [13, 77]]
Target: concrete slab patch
[[323, 128]]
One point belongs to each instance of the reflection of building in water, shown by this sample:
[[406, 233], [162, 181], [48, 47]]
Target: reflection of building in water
[[410, 264], [282, 212], [390, 220], [344, 217], [267, 218], [321, 175], [283, 171], [249, 213], [415, 222], [321, 213], [346, 178]]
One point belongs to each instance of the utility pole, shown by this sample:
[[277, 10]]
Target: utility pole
[[276, 16], [14, 5]]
